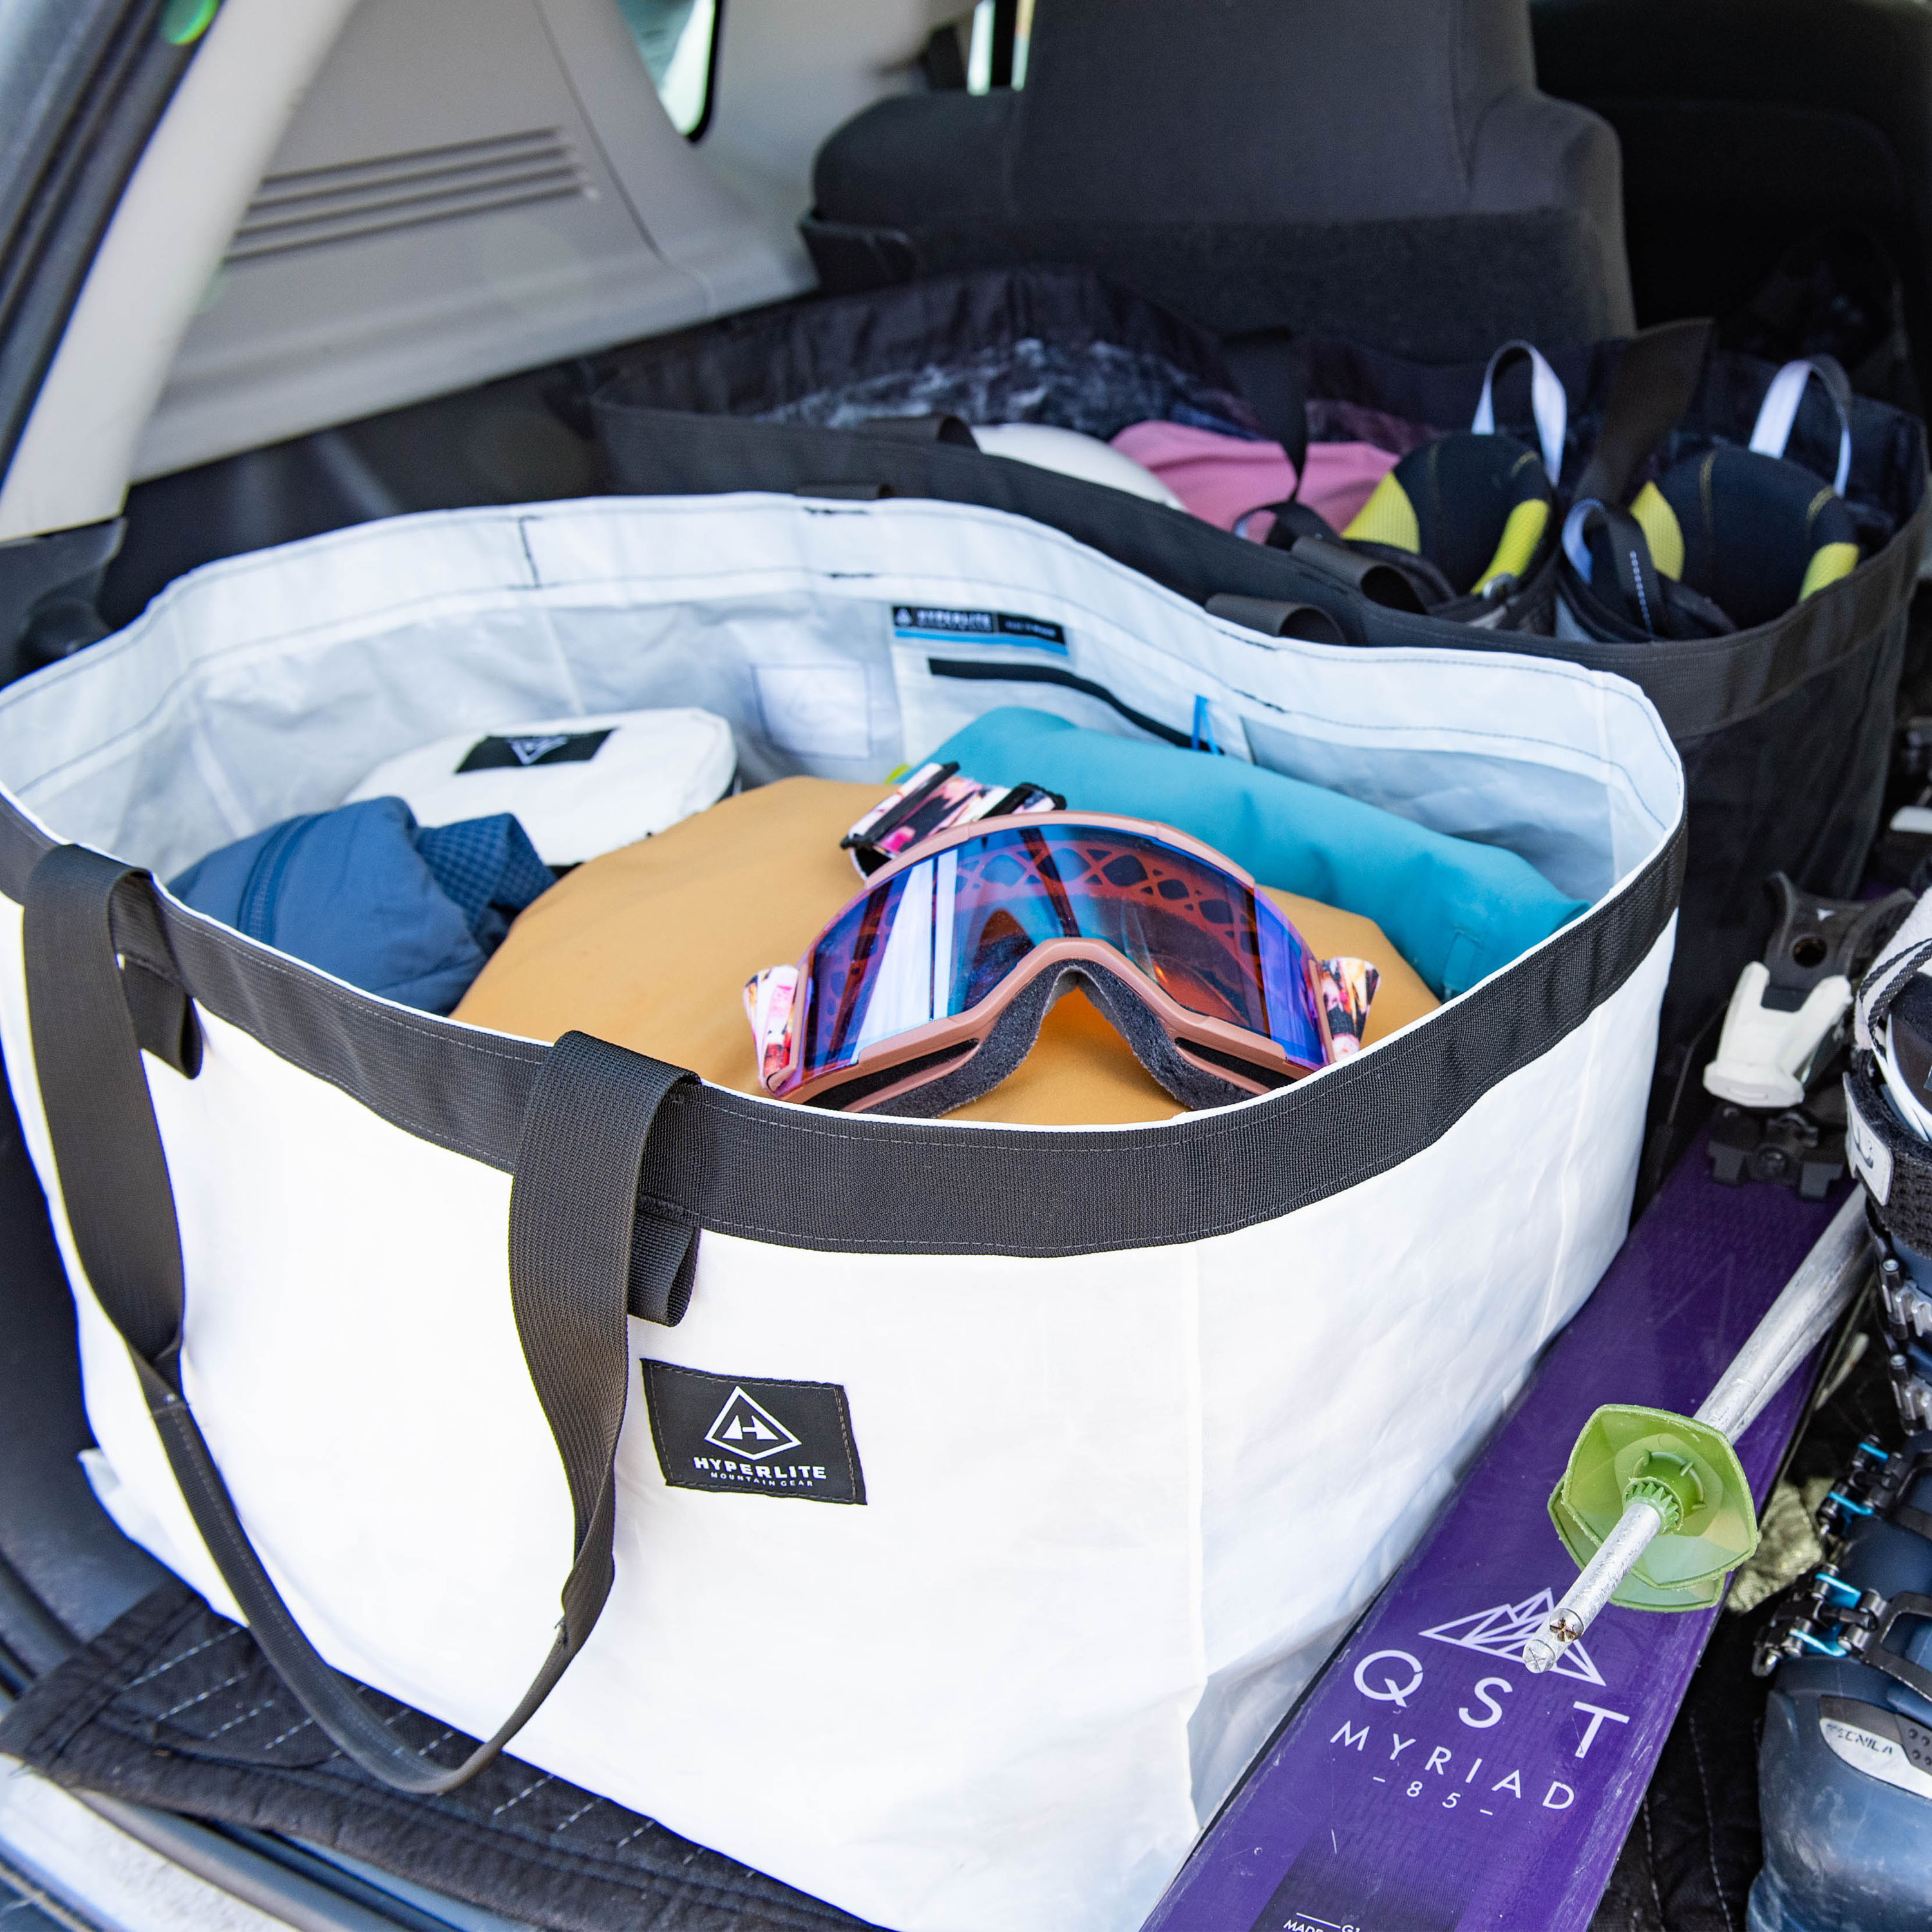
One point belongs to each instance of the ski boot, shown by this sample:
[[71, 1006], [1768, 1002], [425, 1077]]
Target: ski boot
[[1845, 1769]]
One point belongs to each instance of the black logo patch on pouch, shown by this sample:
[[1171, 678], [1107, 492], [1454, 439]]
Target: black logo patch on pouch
[[757, 1438], [543, 747]]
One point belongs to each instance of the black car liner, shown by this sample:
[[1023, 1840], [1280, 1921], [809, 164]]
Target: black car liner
[[173, 1706]]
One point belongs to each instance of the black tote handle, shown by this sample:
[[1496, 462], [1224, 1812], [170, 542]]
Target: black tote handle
[[579, 1260], [1267, 371], [1395, 587], [1653, 385], [1275, 618]]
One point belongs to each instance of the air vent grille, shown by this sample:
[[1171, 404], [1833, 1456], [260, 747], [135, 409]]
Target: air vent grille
[[318, 208]]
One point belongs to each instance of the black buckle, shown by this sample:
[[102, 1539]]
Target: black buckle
[[1871, 1623], [1817, 937], [1793, 1149], [1835, 1618]]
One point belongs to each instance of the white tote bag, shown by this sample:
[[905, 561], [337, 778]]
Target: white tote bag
[[948, 1511]]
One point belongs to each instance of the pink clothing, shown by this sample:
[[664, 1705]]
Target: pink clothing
[[1220, 477]]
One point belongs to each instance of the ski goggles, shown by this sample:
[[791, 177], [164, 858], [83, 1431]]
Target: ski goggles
[[930, 987]]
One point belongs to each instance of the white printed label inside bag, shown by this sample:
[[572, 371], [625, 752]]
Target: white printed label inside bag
[[947, 625], [1871, 1158], [757, 1437], [818, 711]]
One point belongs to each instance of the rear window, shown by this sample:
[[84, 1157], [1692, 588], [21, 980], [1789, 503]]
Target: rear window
[[678, 40]]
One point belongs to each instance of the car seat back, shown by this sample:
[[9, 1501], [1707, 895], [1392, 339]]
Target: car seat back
[[1751, 128], [1386, 171], [1126, 115]]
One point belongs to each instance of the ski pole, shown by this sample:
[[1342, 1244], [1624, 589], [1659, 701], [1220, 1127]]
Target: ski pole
[[1683, 1486]]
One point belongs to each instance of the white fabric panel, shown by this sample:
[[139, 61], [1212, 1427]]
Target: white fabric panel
[[1118, 1507], [958, 1648], [1552, 813], [429, 1384], [271, 684], [1243, 1438], [1405, 1355]]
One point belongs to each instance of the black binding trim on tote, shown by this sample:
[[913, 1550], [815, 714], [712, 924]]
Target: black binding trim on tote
[[735, 1164], [668, 426], [1698, 686]]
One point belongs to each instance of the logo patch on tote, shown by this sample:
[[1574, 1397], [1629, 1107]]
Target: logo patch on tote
[[550, 748], [994, 627], [760, 1438]]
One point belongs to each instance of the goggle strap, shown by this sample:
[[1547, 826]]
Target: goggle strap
[[1347, 986], [935, 798], [771, 998]]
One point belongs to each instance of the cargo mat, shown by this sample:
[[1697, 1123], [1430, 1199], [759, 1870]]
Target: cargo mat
[[173, 1706], [556, 1857]]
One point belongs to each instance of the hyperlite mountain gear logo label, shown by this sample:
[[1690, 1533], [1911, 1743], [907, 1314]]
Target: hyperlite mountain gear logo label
[[992, 627], [547, 747], [747, 1429], [762, 1438]]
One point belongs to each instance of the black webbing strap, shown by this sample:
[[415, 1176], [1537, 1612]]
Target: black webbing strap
[[1656, 378], [1292, 522], [1831, 372], [1268, 373], [575, 1265], [1274, 618], [1638, 591]]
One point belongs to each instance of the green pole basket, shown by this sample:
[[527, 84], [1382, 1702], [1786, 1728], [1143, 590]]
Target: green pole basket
[[1690, 1472]]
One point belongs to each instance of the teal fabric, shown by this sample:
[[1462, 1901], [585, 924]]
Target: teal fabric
[[1455, 911]]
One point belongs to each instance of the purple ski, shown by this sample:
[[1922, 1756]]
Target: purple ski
[[1429, 1782]]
